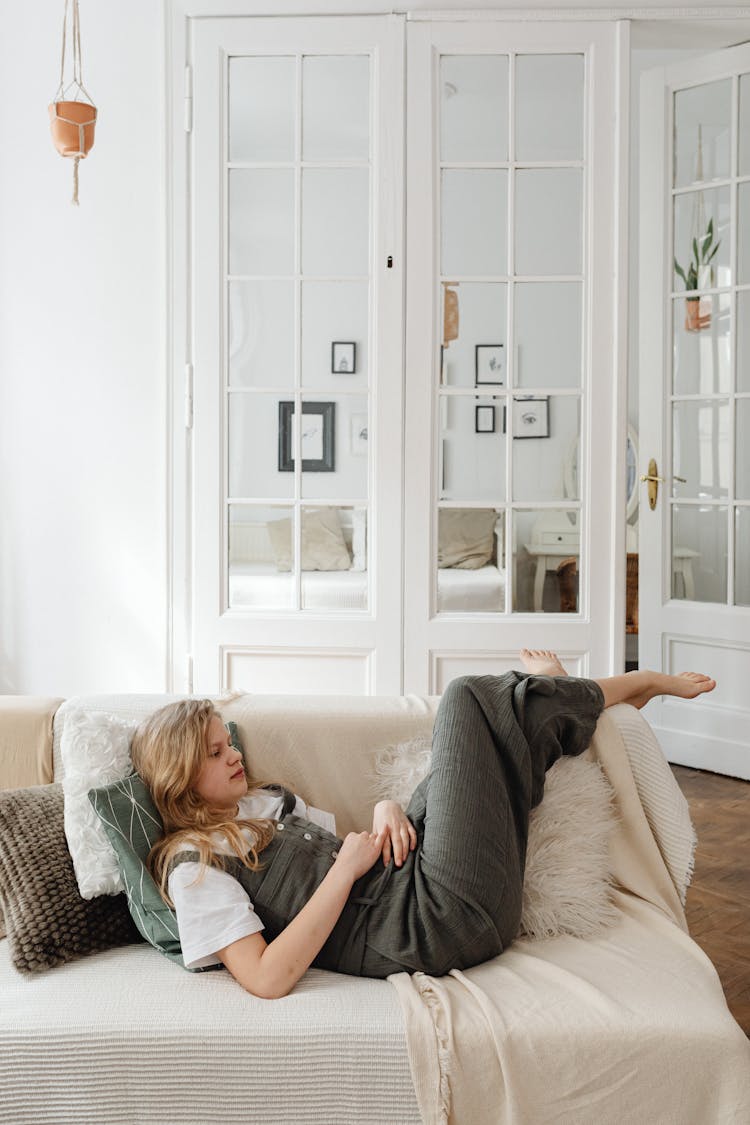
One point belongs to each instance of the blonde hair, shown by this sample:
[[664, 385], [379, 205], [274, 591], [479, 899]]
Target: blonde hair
[[168, 751]]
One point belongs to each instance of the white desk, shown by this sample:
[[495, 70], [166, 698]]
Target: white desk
[[548, 556], [682, 564]]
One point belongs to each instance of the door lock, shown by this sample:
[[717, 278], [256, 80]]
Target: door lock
[[654, 480]]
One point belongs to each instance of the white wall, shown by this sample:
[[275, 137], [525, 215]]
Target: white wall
[[83, 594], [83, 446]]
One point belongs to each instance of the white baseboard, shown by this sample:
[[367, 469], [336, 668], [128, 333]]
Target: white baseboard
[[718, 755]]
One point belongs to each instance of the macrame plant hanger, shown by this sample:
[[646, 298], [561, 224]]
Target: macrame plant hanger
[[72, 119]]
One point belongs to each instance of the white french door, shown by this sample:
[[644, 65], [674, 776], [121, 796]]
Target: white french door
[[514, 510], [337, 541], [694, 360], [295, 314]]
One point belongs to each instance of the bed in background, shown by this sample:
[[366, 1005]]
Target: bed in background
[[334, 577]]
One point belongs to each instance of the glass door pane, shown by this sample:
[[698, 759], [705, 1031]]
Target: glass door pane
[[336, 107], [510, 303], [474, 107], [474, 222], [262, 95], [260, 355], [261, 557], [711, 232], [702, 149], [298, 317], [549, 128], [549, 218]]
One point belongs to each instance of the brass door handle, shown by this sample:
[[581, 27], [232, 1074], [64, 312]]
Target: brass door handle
[[654, 480], [683, 480]]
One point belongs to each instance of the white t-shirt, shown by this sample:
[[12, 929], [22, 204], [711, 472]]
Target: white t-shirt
[[215, 909]]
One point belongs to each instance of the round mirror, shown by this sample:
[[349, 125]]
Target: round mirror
[[631, 475], [570, 473]]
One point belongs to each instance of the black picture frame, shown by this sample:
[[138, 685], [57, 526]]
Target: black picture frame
[[324, 435], [343, 357], [489, 365], [484, 419], [537, 408]]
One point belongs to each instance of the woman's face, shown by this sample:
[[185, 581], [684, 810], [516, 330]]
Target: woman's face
[[222, 779]]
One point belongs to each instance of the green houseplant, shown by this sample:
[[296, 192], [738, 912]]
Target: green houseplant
[[704, 252]]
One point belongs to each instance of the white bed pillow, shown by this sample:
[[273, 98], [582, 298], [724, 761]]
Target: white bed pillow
[[567, 883], [359, 539], [95, 749]]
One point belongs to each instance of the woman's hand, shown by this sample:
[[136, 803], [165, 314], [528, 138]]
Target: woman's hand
[[400, 833], [273, 970], [359, 851]]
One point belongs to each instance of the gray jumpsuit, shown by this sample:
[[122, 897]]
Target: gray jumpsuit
[[456, 900]]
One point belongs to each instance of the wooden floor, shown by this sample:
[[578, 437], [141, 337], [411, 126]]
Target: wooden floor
[[718, 899]]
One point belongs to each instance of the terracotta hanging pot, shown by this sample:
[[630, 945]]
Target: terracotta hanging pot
[[72, 119], [695, 319], [72, 125]]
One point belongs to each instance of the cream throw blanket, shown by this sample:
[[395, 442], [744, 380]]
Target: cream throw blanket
[[526, 1039]]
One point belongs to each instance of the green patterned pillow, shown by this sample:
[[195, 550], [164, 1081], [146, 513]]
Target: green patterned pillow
[[133, 825]]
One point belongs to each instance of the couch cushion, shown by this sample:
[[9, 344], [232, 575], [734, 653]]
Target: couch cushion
[[567, 887], [132, 707], [128, 1037], [132, 823], [321, 747], [48, 922], [26, 740], [95, 749]]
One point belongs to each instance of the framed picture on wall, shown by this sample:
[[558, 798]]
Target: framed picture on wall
[[484, 419], [343, 358], [317, 438], [530, 417], [489, 365]]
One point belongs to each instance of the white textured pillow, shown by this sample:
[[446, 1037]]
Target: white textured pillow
[[95, 749], [359, 539], [567, 882]]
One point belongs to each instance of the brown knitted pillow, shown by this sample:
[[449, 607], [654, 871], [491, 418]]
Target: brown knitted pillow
[[48, 922]]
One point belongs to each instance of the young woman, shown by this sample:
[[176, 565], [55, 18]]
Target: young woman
[[260, 883]]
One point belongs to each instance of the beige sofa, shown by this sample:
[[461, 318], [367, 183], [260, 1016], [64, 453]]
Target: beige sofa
[[627, 1026]]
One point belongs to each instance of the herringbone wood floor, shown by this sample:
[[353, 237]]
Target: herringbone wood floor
[[718, 899]]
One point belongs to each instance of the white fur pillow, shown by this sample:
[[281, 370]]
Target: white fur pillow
[[567, 882], [95, 749]]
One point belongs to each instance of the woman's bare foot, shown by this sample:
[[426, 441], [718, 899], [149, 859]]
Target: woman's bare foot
[[541, 662], [687, 685], [637, 688]]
